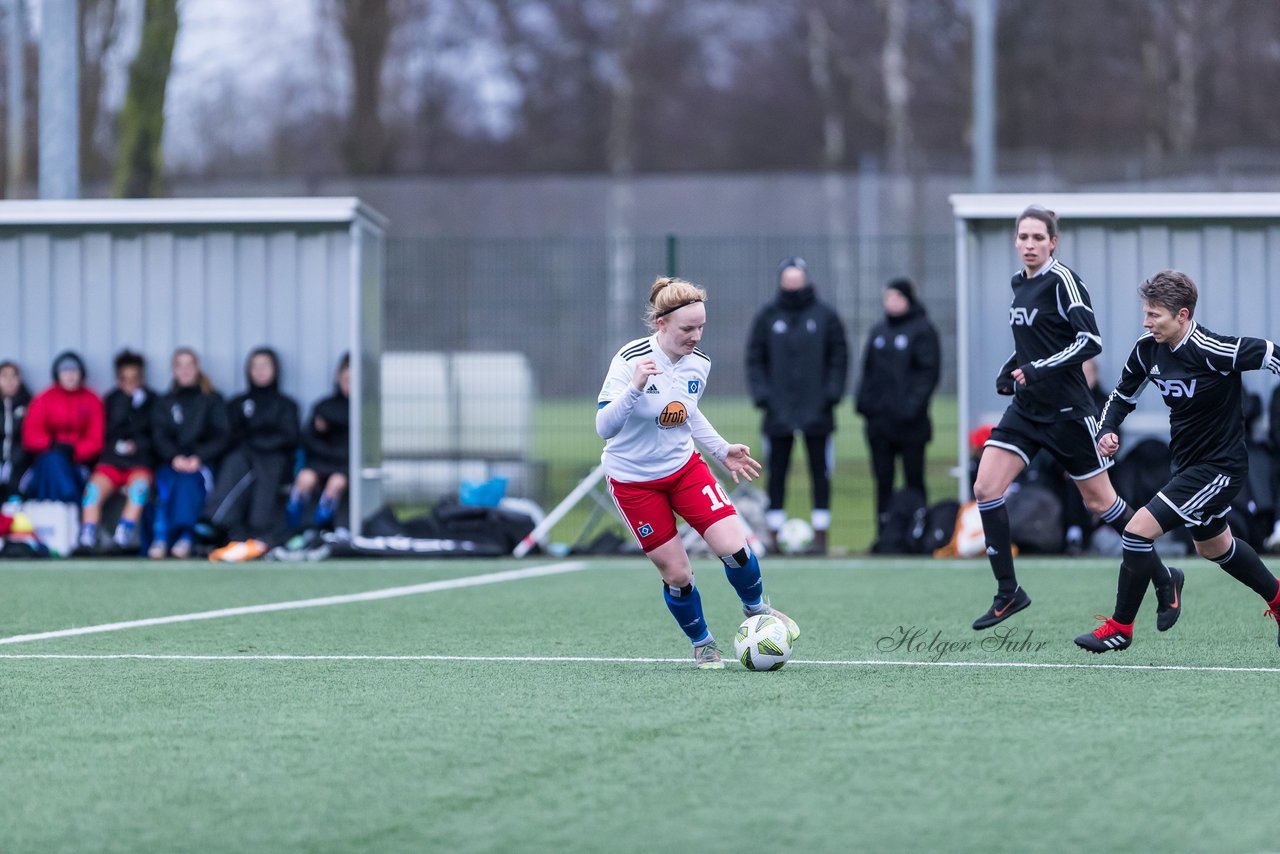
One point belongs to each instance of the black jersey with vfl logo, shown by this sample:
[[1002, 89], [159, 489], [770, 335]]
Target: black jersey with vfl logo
[[1200, 382], [1054, 331]]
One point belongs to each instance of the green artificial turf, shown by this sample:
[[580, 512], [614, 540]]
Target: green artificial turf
[[861, 743]]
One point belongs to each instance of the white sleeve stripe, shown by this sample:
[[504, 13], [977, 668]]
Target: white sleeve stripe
[[1073, 287], [1213, 345], [1076, 346]]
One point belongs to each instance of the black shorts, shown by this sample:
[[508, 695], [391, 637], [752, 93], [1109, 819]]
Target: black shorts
[[1069, 442], [1198, 497]]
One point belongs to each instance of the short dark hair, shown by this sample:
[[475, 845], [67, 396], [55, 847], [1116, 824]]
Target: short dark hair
[[1043, 214], [129, 359], [1170, 289]]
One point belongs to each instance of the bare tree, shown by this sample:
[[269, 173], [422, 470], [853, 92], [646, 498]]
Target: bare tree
[[99, 29], [367, 26], [139, 169]]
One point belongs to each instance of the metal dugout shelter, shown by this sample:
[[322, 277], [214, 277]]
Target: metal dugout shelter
[[1229, 243], [303, 275]]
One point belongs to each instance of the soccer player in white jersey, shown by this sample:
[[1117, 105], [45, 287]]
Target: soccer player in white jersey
[[648, 416], [1197, 373]]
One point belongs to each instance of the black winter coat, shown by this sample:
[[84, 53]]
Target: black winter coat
[[797, 364], [128, 420], [188, 421], [264, 421], [900, 371], [327, 437], [13, 411]]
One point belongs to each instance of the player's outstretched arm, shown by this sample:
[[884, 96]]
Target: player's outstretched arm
[[738, 461]]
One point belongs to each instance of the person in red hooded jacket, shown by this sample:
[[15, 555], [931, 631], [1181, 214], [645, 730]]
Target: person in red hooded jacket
[[63, 433]]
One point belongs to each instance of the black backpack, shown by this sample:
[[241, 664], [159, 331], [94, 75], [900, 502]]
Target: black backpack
[[939, 526], [903, 526], [1035, 519]]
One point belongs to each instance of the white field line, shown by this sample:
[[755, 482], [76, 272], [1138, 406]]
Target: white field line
[[367, 596], [569, 659]]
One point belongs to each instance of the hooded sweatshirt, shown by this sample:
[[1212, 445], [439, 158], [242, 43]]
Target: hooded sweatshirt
[[263, 419], [70, 418]]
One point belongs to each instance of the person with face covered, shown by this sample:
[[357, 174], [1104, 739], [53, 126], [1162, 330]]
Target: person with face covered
[[63, 433], [264, 439], [900, 370], [797, 362]]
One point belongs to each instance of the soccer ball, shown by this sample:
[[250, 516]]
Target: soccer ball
[[794, 536], [762, 643]]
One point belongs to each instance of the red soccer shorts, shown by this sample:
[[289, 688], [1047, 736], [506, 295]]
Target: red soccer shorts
[[119, 477], [650, 506]]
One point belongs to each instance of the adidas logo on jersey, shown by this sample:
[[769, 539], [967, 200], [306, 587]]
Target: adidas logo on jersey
[[653, 389], [1155, 369]]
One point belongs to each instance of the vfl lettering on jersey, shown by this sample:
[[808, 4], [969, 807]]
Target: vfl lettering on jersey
[[645, 530], [1176, 388], [1019, 316], [673, 415], [694, 385]]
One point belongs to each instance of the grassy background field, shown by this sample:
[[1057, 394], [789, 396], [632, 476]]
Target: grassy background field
[[565, 438], [951, 740]]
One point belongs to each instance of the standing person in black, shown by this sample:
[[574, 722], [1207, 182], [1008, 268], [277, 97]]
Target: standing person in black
[[126, 459], [1197, 373], [1054, 331], [900, 370], [190, 430], [264, 438], [15, 397], [797, 362], [326, 444]]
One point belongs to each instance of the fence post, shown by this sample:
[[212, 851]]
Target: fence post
[[671, 255]]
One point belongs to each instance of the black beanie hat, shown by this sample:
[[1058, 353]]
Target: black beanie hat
[[905, 287], [794, 261], [68, 356]]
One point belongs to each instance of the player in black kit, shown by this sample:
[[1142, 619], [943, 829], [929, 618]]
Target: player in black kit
[[1054, 332], [1198, 374]]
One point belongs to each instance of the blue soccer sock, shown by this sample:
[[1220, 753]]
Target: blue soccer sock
[[324, 510], [743, 571], [685, 605], [293, 510]]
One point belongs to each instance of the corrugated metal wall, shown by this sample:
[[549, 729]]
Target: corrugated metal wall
[[223, 292], [220, 276], [1231, 256]]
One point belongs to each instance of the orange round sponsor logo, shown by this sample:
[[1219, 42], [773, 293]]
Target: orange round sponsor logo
[[673, 415]]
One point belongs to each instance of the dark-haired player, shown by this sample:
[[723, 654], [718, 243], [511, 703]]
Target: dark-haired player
[[1198, 374], [1054, 332]]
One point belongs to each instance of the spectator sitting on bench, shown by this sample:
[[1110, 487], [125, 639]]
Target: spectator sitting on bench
[[15, 398], [63, 432], [327, 451]]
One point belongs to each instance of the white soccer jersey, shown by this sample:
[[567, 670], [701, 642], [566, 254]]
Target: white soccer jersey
[[650, 434]]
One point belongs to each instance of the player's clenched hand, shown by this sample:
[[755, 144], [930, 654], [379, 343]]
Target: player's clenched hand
[[645, 368], [1108, 444], [738, 461]]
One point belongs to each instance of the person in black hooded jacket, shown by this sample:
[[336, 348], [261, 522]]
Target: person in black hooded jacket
[[264, 439], [326, 442], [900, 370], [15, 397], [797, 364], [189, 430]]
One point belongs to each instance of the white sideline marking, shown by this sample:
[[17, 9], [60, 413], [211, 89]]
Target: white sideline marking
[[572, 659], [367, 596]]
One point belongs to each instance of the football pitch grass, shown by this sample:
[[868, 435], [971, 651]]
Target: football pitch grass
[[462, 706]]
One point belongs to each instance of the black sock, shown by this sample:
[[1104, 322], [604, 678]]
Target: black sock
[[1242, 563], [1118, 515], [1140, 567], [995, 527]]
